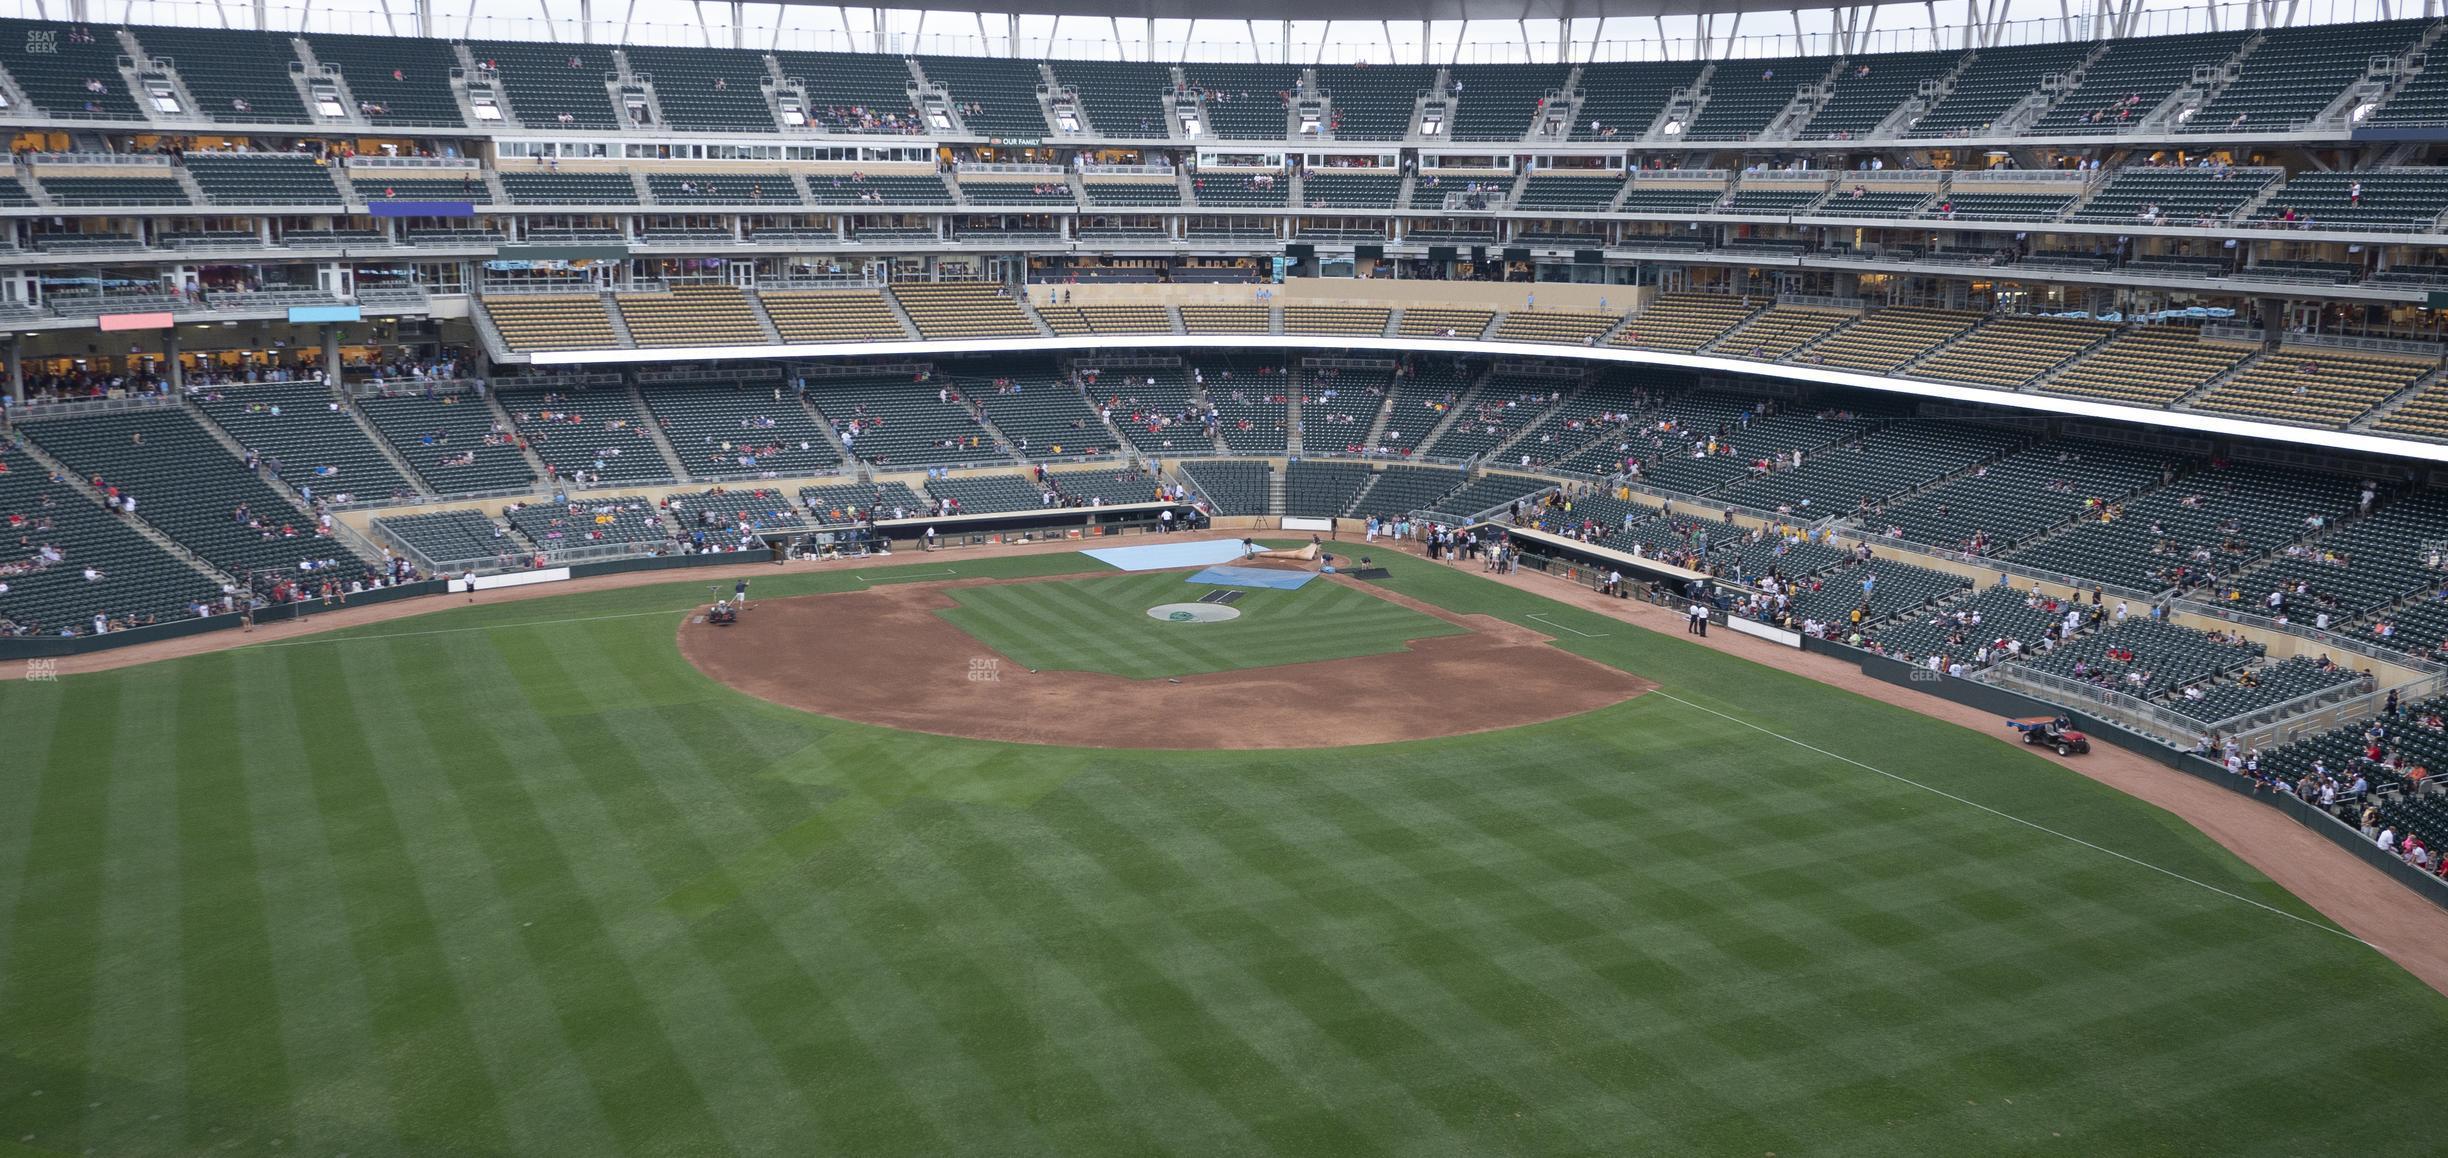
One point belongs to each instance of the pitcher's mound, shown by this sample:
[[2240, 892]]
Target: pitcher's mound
[[884, 657]]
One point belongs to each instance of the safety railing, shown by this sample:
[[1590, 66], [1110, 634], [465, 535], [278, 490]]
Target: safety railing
[[2328, 639], [73, 407]]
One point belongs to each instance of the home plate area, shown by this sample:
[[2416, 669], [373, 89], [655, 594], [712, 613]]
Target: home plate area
[[1122, 661]]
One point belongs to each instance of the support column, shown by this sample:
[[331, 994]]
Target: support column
[[16, 370], [171, 372], [331, 355]]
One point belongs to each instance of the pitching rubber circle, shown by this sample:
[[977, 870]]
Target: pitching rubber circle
[[1193, 612]]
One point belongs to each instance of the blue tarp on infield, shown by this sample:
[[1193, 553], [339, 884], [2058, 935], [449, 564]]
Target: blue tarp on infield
[[1160, 556], [1254, 577]]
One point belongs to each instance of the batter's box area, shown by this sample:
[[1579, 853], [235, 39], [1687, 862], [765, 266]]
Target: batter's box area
[[904, 656]]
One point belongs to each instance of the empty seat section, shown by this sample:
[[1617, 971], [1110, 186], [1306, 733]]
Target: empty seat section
[[2015, 499], [106, 191], [1051, 190], [1570, 327], [1352, 321], [1885, 340], [1569, 192], [1860, 201], [1778, 331], [692, 315], [1683, 322], [1232, 488], [2294, 73], [2009, 352], [832, 316], [2409, 199], [1678, 197], [1323, 489], [719, 90], [552, 321], [1374, 102], [449, 541], [1406, 490], [1982, 205], [1133, 193], [1253, 416], [2174, 196], [722, 188], [2148, 366], [1426, 322], [1041, 415], [870, 189], [1498, 102], [274, 179], [963, 310], [548, 82], [746, 509], [532, 188], [1324, 189], [1072, 320], [469, 187], [1226, 319]]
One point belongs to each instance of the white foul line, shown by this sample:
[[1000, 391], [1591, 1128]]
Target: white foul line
[[2019, 820], [1561, 627]]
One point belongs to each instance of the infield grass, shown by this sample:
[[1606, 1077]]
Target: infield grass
[[1102, 625], [517, 879]]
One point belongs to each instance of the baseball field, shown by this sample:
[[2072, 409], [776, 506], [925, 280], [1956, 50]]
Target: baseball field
[[576, 875]]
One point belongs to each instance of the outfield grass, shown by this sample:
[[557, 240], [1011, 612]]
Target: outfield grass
[[1102, 625], [517, 879]]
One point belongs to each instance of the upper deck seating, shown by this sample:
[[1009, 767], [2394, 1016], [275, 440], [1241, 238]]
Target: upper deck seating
[[2314, 386], [873, 189], [2174, 196], [2393, 199], [2010, 351], [997, 96], [527, 187], [854, 92], [2132, 77], [1620, 100], [832, 316], [1746, 96], [715, 90], [70, 71], [963, 310], [2294, 73], [1374, 102], [1868, 88], [1994, 83], [1331, 189], [691, 315], [1123, 98], [1244, 102], [236, 75], [552, 321], [1886, 340], [1684, 322], [399, 81], [546, 82], [1496, 102], [2148, 366]]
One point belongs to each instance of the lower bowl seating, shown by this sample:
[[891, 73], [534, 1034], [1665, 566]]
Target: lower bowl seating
[[1232, 488], [448, 542]]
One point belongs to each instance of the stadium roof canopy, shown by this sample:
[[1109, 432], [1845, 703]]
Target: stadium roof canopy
[[1387, 10]]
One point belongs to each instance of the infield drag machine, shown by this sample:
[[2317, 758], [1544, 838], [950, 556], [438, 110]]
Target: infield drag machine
[[2052, 732]]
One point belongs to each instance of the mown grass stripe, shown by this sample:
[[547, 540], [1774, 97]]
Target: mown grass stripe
[[545, 1098], [233, 1008], [139, 1006], [47, 989]]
